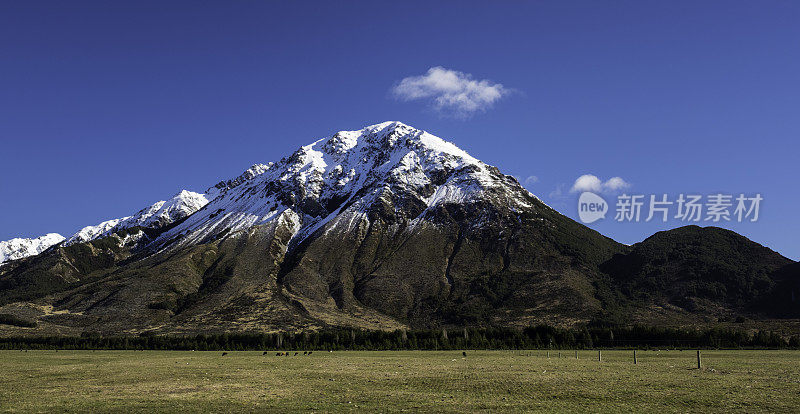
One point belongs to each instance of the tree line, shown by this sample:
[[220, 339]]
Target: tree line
[[535, 337]]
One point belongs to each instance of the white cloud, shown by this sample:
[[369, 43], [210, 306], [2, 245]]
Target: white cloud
[[589, 182], [616, 183], [451, 92], [532, 179]]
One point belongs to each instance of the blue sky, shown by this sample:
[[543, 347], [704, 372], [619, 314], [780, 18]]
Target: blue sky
[[106, 107]]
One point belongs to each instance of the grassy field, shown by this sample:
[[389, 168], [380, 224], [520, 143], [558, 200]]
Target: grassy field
[[173, 381]]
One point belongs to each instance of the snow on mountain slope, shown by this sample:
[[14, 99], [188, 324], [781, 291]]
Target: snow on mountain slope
[[18, 248], [339, 176], [349, 169], [157, 215]]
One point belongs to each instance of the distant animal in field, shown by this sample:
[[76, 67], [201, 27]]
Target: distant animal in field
[[464, 353], [309, 352], [279, 354], [224, 353], [265, 352], [287, 354], [295, 354], [305, 352]]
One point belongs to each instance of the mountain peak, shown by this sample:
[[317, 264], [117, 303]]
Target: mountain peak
[[345, 173], [20, 247], [349, 170]]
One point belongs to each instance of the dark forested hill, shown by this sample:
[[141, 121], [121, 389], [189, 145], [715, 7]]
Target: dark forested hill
[[709, 271]]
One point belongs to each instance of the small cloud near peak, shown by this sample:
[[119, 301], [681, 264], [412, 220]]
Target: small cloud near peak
[[589, 182], [451, 92], [532, 179]]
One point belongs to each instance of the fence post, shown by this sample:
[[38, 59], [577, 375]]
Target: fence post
[[576, 354], [634, 357], [699, 365], [599, 355]]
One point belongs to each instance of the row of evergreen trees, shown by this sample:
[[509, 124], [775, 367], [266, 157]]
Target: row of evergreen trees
[[541, 336]]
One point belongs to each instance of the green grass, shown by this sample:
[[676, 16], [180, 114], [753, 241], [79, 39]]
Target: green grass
[[389, 381]]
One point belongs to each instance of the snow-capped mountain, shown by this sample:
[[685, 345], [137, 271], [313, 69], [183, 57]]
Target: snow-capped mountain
[[385, 227], [333, 181], [157, 215], [18, 248], [342, 175], [337, 176]]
